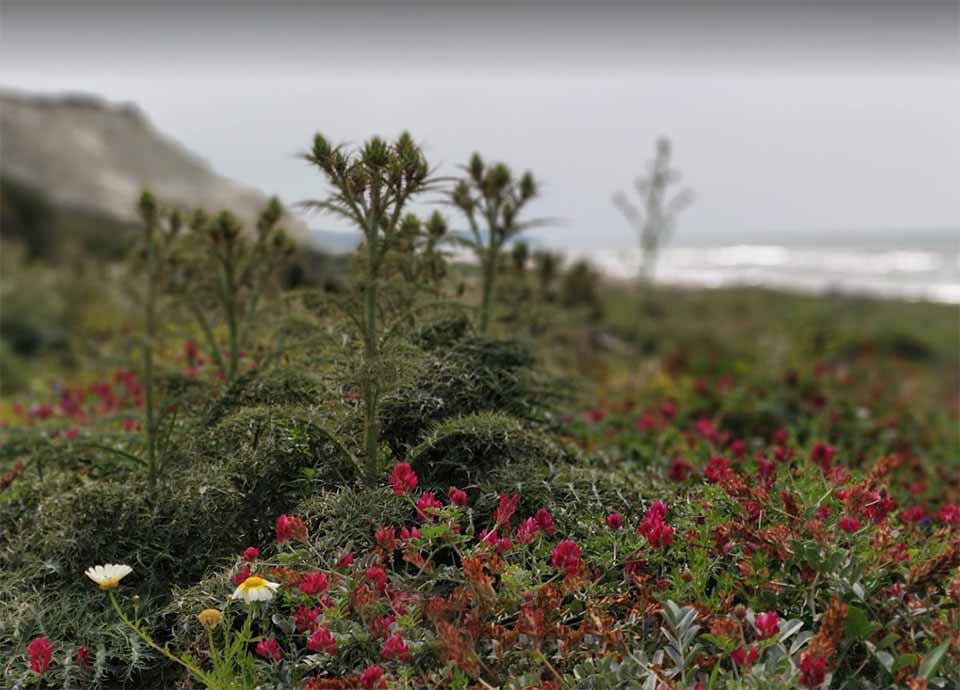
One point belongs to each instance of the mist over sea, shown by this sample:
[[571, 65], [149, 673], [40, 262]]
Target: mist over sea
[[919, 268]]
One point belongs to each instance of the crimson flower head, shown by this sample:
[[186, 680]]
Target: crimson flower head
[[679, 470], [290, 528], [742, 657], [268, 649], [242, 574], [527, 531], [402, 479], [506, 506], [322, 641], [812, 671], [718, 469], [427, 501], [767, 624], [614, 521], [386, 538], [306, 618], [250, 553], [458, 497], [377, 576], [81, 657], [313, 583], [949, 514], [346, 560], [40, 653], [566, 556], [394, 648], [371, 678], [822, 454], [544, 521], [848, 524]]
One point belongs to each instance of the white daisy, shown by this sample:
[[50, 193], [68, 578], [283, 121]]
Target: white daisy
[[255, 588], [108, 576]]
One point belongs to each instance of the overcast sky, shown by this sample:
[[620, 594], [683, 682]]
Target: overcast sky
[[787, 118]]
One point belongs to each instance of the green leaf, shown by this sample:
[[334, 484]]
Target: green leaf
[[931, 662], [903, 661], [857, 626]]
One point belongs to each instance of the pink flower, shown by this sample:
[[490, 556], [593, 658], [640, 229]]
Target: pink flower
[[289, 528], [458, 497], [371, 678], [71, 433], [313, 583], [305, 618], [322, 641], [566, 556], [949, 514], [614, 521], [653, 527], [822, 454], [346, 560], [250, 553], [40, 653], [394, 648], [377, 576], [506, 507], [767, 624], [242, 574], [848, 524], [812, 671], [268, 649], [502, 544], [718, 469], [679, 470], [527, 531], [412, 533], [81, 657], [402, 479], [427, 501], [544, 521], [914, 513], [742, 657], [386, 538]]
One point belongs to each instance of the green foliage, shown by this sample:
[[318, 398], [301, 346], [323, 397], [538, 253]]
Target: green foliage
[[279, 386], [462, 450], [471, 375]]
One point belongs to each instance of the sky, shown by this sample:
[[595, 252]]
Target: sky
[[788, 119]]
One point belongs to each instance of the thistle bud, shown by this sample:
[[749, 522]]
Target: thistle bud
[[147, 207], [410, 225], [375, 153], [321, 148], [270, 214], [461, 196], [476, 168], [528, 187], [436, 225]]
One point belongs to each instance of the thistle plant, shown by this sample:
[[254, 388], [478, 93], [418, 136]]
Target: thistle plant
[[221, 274], [372, 188], [654, 223], [492, 202]]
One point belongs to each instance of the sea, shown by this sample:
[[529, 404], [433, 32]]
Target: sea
[[921, 271]]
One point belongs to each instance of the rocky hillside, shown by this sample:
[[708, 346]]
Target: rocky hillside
[[83, 153]]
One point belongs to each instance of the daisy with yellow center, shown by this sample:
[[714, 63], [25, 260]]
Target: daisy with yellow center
[[108, 576], [255, 588]]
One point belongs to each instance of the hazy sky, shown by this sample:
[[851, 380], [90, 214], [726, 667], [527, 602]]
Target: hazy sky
[[787, 117]]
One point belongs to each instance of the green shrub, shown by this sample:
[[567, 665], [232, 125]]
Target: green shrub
[[473, 375], [278, 386], [464, 450]]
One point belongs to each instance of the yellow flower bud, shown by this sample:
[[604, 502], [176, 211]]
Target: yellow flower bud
[[209, 617]]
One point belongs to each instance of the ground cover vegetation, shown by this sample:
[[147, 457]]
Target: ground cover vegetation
[[412, 473]]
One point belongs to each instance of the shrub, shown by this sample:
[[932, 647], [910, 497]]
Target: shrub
[[473, 375], [279, 386], [463, 450]]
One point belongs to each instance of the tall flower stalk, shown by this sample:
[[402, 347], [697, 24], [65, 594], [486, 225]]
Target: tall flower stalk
[[492, 202], [371, 188]]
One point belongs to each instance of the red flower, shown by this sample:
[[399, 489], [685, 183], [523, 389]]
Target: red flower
[[394, 648], [614, 521], [40, 654], [377, 576], [313, 583], [322, 641], [527, 531], [386, 538], [402, 479], [502, 544], [652, 526], [544, 521], [380, 626], [372, 677], [250, 553], [506, 507], [848, 524], [742, 657], [718, 469], [305, 619], [346, 560], [812, 671], [71, 433], [289, 528], [81, 657], [412, 533], [458, 497], [242, 574], [780, 436], [268, 649], [767, 624], [822, 454], [914, 513], [679, 470], [427, 501], [738, 448], [950, 514], [566, 556]]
